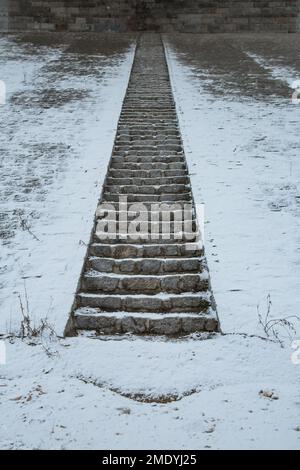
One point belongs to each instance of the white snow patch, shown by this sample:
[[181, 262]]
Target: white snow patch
[[46, 257], [243, 160]]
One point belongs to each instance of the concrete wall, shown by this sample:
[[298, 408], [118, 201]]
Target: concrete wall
[[161, 15], [4, 15]]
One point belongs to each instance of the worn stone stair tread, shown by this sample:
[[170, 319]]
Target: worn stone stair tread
[[140, 181], [148, 189], [173, 229], [161, 302], [148, 166], [137, 323], [133, 283], [147, 173], [181, 198], [98, 312], [119, 250], [146, 238], [146, 266]]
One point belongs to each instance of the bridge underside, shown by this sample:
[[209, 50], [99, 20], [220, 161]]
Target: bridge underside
[[191, 16]]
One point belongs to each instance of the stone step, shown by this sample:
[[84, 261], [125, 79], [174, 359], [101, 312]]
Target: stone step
[[148, 121], [148, 189], [154, 146], [152, 173], [148, 166], [145, 238], [140, 324], [146, 198], [149, 134], [165, 110], [147, 129], [124, 181], [139, 114], [159, 303], [94, 281], [150, 142], [136, 157], [144, 266], [144, 126], [121, 251]]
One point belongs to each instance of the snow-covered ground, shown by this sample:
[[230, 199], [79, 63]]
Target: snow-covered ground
[[229, 391], [243, 155], [57, 132], [79, 399]]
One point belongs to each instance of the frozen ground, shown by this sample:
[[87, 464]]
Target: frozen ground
[[64, 96], [241, 135]]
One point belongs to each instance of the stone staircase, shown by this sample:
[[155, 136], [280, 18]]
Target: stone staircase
[[148, 281]]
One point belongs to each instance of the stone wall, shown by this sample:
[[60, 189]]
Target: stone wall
[[203, 16], [4, 15]]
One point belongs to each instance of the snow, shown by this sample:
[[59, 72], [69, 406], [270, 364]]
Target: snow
[[244, 165], [286, 74], [75, 140], [200, 392], [79, 398], [149, 315]]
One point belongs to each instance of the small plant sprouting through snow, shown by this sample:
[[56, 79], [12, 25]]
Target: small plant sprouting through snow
[[42, 333], [275, 327], [25, 225]]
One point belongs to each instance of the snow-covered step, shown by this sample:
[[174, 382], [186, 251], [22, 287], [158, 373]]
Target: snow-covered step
[[133, 142], [152, 173], [148, 189], [133, 150], [141, 324], [149, 156], [159, 303], [148, 166], [121, 251], [168, 198], [138, 181], [147, 238], [149, 134], [93, 281], [146, 266]]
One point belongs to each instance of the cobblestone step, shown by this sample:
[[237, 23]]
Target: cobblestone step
[[121, 251], [147, 189], [166, 303], [93, 281], [152, 173], [145, 238], [143, 266], [140, 324], [148, 166], [138, 181]]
